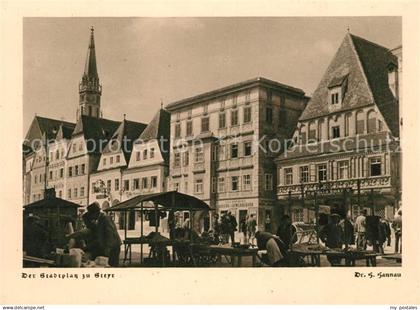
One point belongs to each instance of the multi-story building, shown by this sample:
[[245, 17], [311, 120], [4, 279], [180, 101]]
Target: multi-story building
[[219, 145], [346, 142], [107, 181], [43, 171]]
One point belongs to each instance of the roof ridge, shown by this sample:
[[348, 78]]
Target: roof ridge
[[369, 42]]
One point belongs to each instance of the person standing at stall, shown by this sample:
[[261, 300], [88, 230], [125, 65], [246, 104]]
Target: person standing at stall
[[105, 234], [360, 229], [252, 228], [332, 235], [233, 224], [286, 231]]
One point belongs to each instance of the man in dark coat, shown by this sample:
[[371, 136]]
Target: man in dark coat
[[107, 239], [286, 231]]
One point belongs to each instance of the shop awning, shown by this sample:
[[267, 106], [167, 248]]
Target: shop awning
[[172, 200]]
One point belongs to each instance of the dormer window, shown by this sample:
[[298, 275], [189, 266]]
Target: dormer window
[[336, 90]]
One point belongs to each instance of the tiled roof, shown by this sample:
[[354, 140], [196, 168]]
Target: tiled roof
[[51, 126], [128, 131], [347, 144], [365, 65], [159, 128], [95, 130]]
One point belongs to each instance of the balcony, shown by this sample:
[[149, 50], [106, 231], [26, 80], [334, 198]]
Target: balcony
[[365, 184]]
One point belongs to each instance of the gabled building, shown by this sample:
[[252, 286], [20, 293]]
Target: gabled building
[[220, 150], [106, 182], [148, 167], [347, 137]]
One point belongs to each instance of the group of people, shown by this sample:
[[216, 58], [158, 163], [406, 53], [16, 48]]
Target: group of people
[[224, 228]]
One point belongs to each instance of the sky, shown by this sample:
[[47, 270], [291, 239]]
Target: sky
[[145, 61]]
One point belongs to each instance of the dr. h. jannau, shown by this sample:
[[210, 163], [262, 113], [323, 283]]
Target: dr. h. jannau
[[54, 275]]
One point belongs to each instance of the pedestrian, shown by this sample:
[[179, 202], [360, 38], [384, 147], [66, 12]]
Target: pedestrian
[[286, 231], [360, 229], [233, 224], [267, 224], [277, 254], [332, 235], [105, 234], [251, 226], [397, 226], [243, 229], [216, 228], [348, 230]]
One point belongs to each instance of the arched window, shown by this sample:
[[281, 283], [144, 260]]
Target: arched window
[[360, 122], [347, 119], [311, 131], [371, 121], [303, 134]]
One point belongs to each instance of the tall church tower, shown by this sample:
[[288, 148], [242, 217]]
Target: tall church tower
[[89, 88]]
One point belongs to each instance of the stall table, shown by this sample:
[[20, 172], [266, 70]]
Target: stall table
[[227, 251]]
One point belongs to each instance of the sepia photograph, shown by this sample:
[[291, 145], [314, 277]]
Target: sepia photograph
[[211, 142]]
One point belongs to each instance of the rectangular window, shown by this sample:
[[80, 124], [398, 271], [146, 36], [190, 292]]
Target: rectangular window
[[234, 118], [117, 184], [234, 151], [76, 170], [108, 185], [198, 186], [248, 148], [51, 175], [322, 172], [205, 126], [199, 155], [247, 182], [375, 166], [144, 183], [288, 176], [335, 132], [186, 187], [189, 128], [83, 168], [186, 156], [104, 161], [61, 173], [221, 185], [214, 152], [74, 148], [222, 120], [177, 160], [70, 171], [343, 168], [214, 185], [145, 154], [82, 192], [177, 130], [312, 135], [247, 115], [117, 158], [152, 152], [269, 115], [235, 183], [75, 192], [111, 160], [153, 181], [69, 193], [136, 183], [282, 117], [335, 98], [304, 174], [126, 185], [137, 156], [268, 182], [248, 97], [93, 188]]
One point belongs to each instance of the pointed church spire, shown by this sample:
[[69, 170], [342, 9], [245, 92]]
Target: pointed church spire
[[90, 65], [89, 88]]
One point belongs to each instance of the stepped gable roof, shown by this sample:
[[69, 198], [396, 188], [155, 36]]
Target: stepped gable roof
[[159, 129], [364, 66], [128, 131], [96, 131]]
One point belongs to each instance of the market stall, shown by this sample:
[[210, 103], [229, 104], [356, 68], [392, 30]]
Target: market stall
[[156, 203]]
